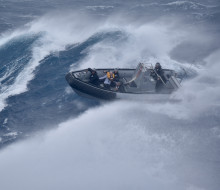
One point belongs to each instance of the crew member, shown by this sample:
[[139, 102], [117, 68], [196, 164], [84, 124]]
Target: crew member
[[108, 80], [93, 78], [158, 75], [116, 75]]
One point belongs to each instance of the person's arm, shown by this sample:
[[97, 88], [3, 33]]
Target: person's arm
[[100, 78]]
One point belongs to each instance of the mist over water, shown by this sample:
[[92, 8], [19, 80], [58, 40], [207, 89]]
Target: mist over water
[[100, 149], [78, 143]]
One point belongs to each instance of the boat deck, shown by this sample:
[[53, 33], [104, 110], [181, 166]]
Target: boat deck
[[141, 85]]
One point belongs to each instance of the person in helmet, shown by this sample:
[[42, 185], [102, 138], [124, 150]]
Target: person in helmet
[[158, 76], [108, 79], [116, 75], [93, 78]]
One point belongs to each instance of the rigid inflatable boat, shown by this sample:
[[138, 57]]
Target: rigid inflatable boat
[[134, 83]]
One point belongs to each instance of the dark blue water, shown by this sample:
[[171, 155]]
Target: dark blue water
[[46, 102], [40, 42]]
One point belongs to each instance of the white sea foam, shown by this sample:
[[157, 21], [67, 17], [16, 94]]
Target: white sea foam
[[20, 85], [94, 8], [11, 134], [191, 4], [115, 146], [55, 35]]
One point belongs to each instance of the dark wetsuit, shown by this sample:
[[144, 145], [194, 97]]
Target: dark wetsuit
[[159, 83], [116, 78], [93, 78]]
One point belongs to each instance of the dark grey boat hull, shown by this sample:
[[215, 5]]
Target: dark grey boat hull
[[89, 89], [83, 87]]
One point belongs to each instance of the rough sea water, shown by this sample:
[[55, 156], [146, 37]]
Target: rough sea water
[[51, 138]]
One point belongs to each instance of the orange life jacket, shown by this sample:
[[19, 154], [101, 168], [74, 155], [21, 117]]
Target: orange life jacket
[[110, 76]]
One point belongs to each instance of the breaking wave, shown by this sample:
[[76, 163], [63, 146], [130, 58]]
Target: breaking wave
[[115, 145]]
